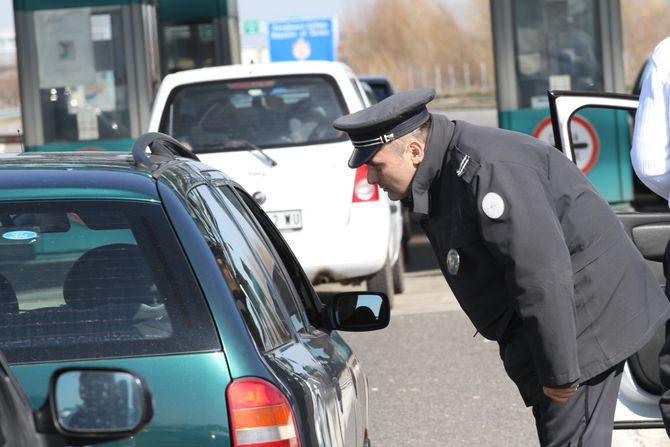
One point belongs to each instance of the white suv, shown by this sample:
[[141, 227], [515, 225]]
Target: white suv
[[269, 126]]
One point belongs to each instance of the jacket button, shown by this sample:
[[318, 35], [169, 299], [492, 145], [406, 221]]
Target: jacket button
[[453, 261]]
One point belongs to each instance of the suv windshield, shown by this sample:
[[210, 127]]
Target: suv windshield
[[251, 113], [95, 279]]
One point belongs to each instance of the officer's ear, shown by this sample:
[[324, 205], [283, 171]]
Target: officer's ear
[[416, 151]]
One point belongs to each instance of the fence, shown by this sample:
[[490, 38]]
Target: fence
[[450, 79]]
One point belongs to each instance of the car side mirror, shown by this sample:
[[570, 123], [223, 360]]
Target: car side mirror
[[88, 405], [359, 311]]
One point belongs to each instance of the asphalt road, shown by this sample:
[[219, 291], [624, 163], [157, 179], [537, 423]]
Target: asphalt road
[[433, 384]]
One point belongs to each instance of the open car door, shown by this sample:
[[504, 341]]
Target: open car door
[[637, 405]]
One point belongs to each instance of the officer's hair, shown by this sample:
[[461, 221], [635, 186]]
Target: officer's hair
[[420, 133]]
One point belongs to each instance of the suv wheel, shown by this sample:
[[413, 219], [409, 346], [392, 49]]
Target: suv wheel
[[382, 281], [399, 273]]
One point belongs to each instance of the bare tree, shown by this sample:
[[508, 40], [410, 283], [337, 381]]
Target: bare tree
[[414, 42], [644, 24], [9, 88]]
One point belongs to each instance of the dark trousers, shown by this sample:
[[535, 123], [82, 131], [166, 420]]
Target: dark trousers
[[586, 419], [664, 355]]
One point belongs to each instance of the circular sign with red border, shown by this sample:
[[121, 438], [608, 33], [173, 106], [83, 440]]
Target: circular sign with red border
[[584, 140]]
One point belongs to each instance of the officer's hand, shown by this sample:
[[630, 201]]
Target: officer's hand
[[560, 395]]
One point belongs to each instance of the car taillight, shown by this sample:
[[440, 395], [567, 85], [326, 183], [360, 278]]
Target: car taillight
[[260, 415], [363, 191]]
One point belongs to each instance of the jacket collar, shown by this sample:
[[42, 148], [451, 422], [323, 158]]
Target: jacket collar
[[437, 146]]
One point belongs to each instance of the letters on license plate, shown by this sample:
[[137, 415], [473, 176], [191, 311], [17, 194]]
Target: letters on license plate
[[286, 220]]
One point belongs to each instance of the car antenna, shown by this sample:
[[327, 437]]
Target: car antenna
[[23, 144]]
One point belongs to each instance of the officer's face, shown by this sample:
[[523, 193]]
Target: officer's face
[[394, 171]]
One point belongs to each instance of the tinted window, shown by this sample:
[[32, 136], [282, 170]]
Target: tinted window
[[306, 294], [243, 271], [270, 259], [84, 280], [266, 112]]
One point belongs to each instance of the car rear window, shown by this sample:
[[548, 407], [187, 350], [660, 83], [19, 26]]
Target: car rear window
[[82, 280], [246, 113]]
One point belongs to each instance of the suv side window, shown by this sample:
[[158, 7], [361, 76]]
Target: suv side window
[[271, 260], [306, 293], [252, 289]]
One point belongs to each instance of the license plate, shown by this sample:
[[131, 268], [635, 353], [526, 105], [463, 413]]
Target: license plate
[[286, 220]]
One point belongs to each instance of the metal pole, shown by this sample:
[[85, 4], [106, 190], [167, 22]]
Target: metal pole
[[483, 77], [452, 79], [438, 79]]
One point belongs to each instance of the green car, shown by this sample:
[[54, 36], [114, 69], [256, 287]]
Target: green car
[[153, 262]]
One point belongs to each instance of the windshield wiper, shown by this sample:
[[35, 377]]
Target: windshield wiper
[[236, 144]]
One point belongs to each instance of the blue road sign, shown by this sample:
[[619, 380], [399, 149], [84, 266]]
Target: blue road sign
[[302, 40]]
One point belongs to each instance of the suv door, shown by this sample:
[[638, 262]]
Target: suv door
[[637, 405]]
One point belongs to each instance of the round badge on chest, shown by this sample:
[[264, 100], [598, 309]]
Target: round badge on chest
[[493, 205], [453, 261]]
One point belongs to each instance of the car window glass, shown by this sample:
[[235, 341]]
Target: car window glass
[[96, 279], [357, 89], [251, 288], [270, 259], [265, 112], [306, 294]]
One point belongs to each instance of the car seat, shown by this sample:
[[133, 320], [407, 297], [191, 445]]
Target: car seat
[[217, 123], [113, 275], [8, 302]]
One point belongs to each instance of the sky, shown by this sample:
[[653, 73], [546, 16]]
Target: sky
[[247, 9], [262, 9], [6, 14]]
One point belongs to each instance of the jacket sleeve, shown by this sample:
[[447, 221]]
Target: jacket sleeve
[[521, 230], [650, 154]]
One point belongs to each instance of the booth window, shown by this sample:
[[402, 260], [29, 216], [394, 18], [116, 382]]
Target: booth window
[[82, 76], [558, 46], [188, 46]]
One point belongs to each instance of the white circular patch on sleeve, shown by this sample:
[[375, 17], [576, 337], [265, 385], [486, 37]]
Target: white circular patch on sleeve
[[493, 205]]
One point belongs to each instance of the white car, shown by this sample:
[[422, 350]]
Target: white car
[[269, 126]]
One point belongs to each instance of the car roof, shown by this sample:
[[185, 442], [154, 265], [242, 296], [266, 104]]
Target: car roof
[[256, 70], [379, 78], [78, 175]]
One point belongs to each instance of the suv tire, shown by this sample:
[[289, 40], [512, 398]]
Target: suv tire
[[399, 272], [382, 281]]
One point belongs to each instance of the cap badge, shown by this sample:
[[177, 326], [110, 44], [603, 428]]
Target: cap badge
[[453, 261], [493, 205]]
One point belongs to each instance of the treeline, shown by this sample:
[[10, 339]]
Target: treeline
[[645, 23], [9, 88], [422, 42]]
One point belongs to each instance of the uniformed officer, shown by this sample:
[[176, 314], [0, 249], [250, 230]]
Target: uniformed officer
[[535, 256]]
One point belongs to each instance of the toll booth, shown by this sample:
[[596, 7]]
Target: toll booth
[[88, 71], [542, 45], [198, 33]]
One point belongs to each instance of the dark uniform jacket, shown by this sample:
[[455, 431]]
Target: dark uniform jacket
[[534, 255]]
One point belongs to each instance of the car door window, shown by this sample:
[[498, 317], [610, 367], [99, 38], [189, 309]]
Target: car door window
[[271, 260], [244, 273], [306, 294]]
